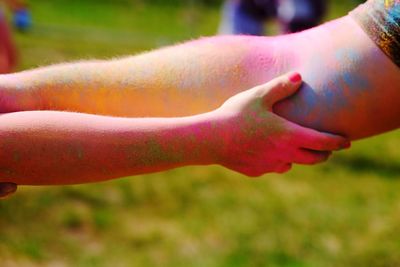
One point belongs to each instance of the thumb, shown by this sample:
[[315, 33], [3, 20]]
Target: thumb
[[281, 88], [7, 189]]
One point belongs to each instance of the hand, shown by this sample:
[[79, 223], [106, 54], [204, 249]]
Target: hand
[[259, 141], [7, 189]]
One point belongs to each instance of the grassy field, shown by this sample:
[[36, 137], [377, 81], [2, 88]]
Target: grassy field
[[343, 213]]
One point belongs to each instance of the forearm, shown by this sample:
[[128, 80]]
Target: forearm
[[48, 148], [182, 80], [351, 87]]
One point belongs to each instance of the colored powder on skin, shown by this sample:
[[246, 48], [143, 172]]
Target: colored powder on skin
[[332, 85], [381, 21], [167, 82]]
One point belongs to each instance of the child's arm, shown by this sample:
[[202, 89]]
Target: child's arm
[[351, 86], [182, 80], [49, 147]]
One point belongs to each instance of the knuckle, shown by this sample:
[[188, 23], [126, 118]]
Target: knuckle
[[280, 83], [257, 92]]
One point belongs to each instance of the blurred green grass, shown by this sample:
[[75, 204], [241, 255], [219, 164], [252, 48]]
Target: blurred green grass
[[343, 213]]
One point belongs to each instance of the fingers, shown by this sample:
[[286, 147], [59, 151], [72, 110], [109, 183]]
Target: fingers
[[314, 140], [7, 189], [280, 88], [308, 157]]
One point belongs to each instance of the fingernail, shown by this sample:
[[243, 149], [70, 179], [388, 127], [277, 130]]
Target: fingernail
[[295, 77]]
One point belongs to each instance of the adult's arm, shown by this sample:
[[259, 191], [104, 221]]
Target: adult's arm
[[351, 87]]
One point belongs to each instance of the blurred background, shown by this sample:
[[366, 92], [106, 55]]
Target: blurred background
[[343, 213]]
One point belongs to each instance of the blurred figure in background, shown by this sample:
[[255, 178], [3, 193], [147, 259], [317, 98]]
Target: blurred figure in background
[[8, 55], [21, 16], [249, 16], [21, 21]]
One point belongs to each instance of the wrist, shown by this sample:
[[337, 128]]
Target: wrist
[[213, 137]]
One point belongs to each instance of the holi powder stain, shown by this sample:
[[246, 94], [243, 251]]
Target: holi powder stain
[[331, 84], [380, 20]]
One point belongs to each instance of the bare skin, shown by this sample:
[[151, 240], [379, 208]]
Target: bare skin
[[53, 148], [344, 94]]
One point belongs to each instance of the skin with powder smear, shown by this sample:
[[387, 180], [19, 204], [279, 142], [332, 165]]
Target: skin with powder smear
[[343, 93], [243, 135]]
